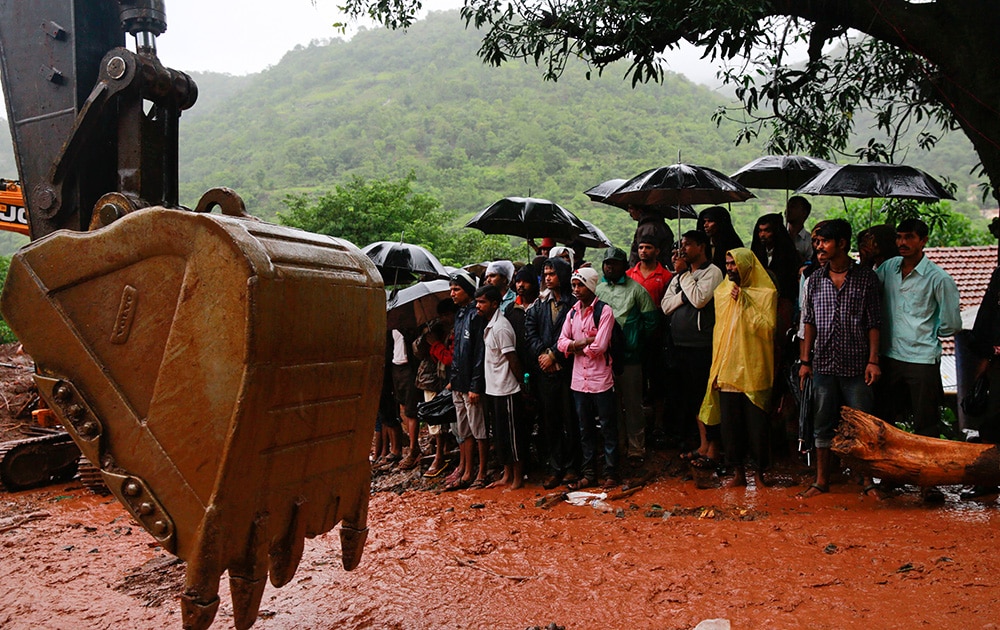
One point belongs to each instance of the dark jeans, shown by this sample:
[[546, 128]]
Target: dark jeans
[[915, 388], [745, 427], [829, 394], [562, 431], [598, 412], [693, 367]]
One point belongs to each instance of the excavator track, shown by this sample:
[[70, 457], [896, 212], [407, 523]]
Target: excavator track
[[91, 479], [38, 461]]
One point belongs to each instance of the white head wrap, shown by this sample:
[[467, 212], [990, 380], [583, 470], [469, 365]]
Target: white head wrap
[[559, 251], [503, 267]]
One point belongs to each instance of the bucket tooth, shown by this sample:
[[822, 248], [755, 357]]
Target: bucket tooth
[[197, 614], [200, 599], [248, 576], [287, 552], [246, 600], [352, 544]]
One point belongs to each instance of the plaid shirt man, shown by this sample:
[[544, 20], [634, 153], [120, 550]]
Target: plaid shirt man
[[843, 319]]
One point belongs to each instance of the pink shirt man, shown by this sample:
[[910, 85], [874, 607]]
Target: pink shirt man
[[592, 371]]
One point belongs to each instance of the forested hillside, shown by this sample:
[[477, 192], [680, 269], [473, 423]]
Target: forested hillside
[[386, 104]]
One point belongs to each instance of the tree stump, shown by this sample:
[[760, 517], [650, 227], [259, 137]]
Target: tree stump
[[873, 446]]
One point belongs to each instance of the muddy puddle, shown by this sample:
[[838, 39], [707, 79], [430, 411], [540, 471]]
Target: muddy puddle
[[669, 555]]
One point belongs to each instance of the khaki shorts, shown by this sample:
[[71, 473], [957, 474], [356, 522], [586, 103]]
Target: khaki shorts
[[471, 419]]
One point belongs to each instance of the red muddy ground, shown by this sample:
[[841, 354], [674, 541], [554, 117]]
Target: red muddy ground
[[491, 559], [441, 561]]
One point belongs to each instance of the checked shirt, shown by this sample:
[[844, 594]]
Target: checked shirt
[[843, 318]]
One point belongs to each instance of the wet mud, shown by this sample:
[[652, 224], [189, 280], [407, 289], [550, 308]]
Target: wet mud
[[668, 555]]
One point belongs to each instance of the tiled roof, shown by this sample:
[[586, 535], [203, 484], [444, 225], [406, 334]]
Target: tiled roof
[[971, 268]]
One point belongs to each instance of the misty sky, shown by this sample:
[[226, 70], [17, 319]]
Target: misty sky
[[245, 36]]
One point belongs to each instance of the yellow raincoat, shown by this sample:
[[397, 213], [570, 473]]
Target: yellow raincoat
[[743, 338]]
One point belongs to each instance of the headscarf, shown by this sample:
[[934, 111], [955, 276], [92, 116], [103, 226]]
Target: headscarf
[[725, 237], [743, 337], [503, 267], [784, 257], [559, 250]]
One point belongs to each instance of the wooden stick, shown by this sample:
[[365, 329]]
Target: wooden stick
[[14, 523], [472, 565]]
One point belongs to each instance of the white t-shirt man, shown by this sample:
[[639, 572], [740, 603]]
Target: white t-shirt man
[[498, 338]]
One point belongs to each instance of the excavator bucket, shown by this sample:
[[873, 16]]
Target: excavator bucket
[[223, 374]]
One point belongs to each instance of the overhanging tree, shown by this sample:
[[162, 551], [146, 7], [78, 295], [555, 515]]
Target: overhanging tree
[[929, 66]]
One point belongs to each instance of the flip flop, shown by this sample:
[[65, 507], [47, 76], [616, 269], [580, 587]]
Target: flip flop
[[808, 492], [431, 473], [461, 484], [478, 484], [388, 462], [409, 462], [704, 463], [580, 484]]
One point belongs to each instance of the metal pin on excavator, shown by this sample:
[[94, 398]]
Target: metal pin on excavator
[[221, 372]]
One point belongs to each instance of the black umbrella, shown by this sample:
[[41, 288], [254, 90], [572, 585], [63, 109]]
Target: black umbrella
[[402, 263], [804, 398], [680, 186], [676, 185], [593, 237], [782, 172], [416, 305], [529, 218], [601, 192], [876, 180]]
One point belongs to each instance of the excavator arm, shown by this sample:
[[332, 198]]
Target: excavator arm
[[221, 372]]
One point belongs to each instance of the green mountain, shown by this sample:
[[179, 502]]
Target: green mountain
[[390, 102], [387, 103]]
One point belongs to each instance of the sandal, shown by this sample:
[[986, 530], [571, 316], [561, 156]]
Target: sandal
[[437, 472], [580, 484], [690, 456], [461, 484], [814, 489], [410, 462], [704, 463], [388, 462], [552, 481], [478, 484], [611, 482]]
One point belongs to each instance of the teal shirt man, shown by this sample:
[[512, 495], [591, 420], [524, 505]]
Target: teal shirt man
[[919, 305], [917, 310]]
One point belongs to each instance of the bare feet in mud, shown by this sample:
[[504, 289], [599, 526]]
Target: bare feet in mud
[[499, 483], [739, 479]]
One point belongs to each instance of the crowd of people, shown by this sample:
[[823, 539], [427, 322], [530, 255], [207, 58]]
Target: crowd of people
[[573, 371]]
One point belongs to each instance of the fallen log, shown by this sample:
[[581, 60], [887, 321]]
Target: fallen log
[[873, 446]]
